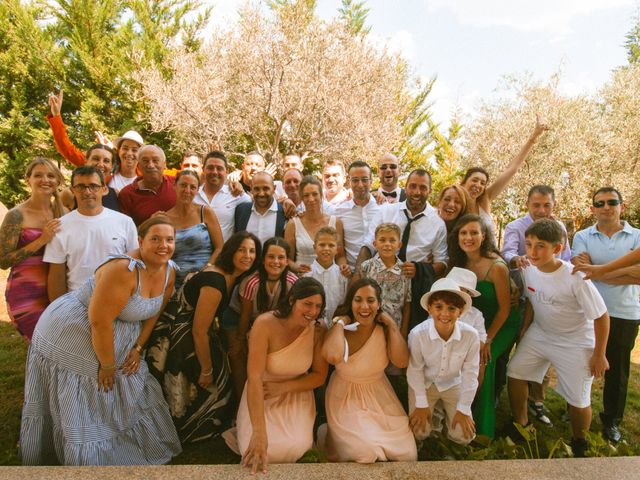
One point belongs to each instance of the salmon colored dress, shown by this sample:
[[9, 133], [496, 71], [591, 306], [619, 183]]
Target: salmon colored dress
[[289, 417], [366, 422]]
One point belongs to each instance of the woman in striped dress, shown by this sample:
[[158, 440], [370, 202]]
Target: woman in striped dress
[[89, 397]]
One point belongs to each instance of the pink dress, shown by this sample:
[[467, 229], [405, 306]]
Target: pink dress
[[289, 417], [366, 422], [26, 291]]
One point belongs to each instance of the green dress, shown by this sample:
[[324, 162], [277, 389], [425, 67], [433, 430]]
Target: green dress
[[484, 412]]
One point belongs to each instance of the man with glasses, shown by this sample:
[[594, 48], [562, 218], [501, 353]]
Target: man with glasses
[[389, 173], [358, 213], [87, 235], [607, 240]]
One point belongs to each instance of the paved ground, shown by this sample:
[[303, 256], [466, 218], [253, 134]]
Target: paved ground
[[625, 468]]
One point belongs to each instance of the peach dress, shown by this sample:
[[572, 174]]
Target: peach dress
[[366, 422], [289, 417]]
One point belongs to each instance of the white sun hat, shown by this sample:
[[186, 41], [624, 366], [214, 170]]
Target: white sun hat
[[465, 279], [446, 285], [129, 135]]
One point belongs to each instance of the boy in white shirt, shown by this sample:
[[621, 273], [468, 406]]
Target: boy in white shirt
[[566, 325], [327, 272], [443, 364]]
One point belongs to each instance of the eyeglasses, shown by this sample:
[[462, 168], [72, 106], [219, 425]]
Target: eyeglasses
[[92, 187], [389, 167], [613, 202]]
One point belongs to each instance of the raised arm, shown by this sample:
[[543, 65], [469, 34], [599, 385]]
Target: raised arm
[[333, 346], [256, 453], [114, 285], [397, 349], [60, 138], [10, 254], [501, 182]]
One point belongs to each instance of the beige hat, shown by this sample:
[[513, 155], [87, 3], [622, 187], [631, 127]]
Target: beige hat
[[129, 135], [465, 279], [446, 285]]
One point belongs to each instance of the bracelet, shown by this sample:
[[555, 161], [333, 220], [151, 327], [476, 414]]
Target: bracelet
[[207, 374], [336, 320], [107, 367], [137, 347]]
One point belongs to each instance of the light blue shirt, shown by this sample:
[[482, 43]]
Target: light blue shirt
[[513, 241], [623, 301]]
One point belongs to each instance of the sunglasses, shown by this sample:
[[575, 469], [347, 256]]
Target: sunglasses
[[388, 167], [612, 203]]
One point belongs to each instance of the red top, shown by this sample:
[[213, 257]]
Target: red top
[[140, 204], [61, 140]]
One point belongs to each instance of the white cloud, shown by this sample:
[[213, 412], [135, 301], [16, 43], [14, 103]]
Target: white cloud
[[400, 42], [553, 15]]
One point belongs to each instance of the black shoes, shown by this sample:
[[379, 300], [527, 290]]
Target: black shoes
[[579, 446], [611, 433]]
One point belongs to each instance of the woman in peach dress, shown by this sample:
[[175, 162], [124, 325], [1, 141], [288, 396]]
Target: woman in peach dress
[[366, 422], [277, 409]]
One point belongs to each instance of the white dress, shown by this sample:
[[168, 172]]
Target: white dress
[[305, 252]]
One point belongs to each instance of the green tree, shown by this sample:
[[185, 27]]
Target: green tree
[[354, 14], [632, 42]]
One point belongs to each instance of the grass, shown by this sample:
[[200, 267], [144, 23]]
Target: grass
[[12, 357]]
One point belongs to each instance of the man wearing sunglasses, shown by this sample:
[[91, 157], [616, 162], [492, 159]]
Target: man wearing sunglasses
[[389, 173], [87, 235], [607, 240]]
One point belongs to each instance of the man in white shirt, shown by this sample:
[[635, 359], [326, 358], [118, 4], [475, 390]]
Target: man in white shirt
[[263, 217], [333, 180], [359, 213], [215, 193], [86, 236]]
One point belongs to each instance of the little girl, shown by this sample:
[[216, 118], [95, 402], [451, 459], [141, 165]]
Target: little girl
[[256, 294]]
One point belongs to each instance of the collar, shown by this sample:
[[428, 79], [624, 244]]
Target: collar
[[434, 335], [626, 228], [272, 208], [428, 209], [316, 267], [397, 268], [136, 184], [351, 204]]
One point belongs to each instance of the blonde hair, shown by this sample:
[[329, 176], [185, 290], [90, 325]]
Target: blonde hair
[[462, 193], [388, 228], [56, 205], [330, 231]]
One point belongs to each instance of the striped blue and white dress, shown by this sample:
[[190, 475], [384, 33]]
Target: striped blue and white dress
[[65, 419]]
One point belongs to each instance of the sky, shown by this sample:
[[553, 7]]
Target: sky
[[471, 45]]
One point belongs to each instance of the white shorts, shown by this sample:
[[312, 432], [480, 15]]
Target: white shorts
[[533, 356]]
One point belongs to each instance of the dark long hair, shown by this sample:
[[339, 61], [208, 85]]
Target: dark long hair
[[345, 307], [225, 260], [303, 288], [457, 257], [262, 298], [473, 170]]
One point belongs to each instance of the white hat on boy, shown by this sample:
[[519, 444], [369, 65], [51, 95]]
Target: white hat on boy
[[446, 285], [465, 279]]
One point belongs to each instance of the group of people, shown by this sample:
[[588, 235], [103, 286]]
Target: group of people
[[227, 308]]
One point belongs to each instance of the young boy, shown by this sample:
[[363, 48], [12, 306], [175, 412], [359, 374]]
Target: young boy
[[386, 269], [443, 364], [566, 325], [326, 271]]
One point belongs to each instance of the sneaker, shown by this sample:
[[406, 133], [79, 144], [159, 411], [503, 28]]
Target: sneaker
[[537, 410], [611, 433], [579, 446]]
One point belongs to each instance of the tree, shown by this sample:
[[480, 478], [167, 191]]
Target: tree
[[283, 82], [354, 15], [90, 49]]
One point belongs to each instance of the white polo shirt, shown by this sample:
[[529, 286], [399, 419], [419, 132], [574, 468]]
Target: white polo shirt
[[224, 205], [356, 222], [263, 225]]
